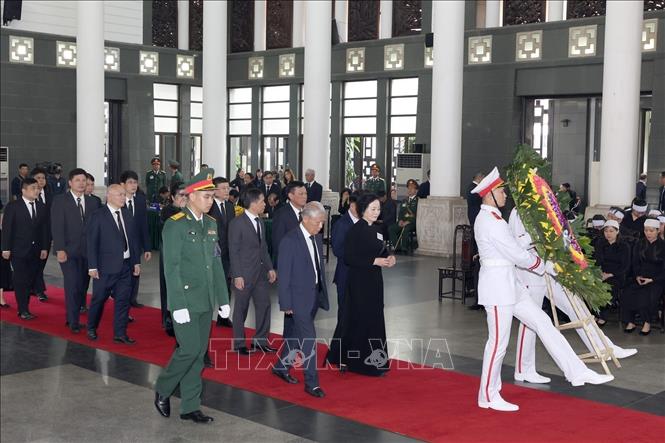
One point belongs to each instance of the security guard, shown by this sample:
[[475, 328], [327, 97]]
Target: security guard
[[176, 175], [196, 287], [154, 180], [406, 218], [375, 183]]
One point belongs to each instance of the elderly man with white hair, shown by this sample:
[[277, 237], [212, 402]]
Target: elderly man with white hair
[[314, 189]]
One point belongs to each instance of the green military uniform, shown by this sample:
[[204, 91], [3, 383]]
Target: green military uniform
[[407, 212], [177, 175], [375, 184], [153, 182], [196, 282]]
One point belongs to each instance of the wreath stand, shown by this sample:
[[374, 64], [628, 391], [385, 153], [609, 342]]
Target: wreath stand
[[587, 322]]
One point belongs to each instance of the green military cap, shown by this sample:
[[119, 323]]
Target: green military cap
[[174, 164], [155, 160], [201, 181]]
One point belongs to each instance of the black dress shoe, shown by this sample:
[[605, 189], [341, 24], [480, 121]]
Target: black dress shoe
[[315, 392], [225, 322], [628, 331], [25, 316], [265, 348], [42, 297], [92, 334], [75, 329], [284, 375], [645, 333], [4, 305], [196, 417], [125, 340], [244, 351], [163, 405], [136, 304], [475, 307], [83, 309]]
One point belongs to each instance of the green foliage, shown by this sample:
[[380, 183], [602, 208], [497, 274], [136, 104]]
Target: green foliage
[[585, 282]]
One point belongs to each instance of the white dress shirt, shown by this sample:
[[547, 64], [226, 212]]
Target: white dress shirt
[[124, 227], [252, 218], [42, 194], [310, 248], [131, 199], [82, 197], [295, 210], [30, 206]]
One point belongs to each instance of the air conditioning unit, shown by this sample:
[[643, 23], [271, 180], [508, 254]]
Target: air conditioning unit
[[4, 174], [411, 166]]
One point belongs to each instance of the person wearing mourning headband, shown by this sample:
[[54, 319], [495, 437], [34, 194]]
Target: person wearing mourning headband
[[633, 221], [612, 254], [615, 214], [595, 231], [661, 220], [647, 279]]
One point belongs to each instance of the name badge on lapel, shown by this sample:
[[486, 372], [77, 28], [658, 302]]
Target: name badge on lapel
[[379, 236]]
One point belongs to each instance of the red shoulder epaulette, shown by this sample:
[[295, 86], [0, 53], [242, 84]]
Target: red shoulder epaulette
[[497, 216]]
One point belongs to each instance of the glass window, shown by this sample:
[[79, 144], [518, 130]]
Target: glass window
[[275, 110], [400, 87], [196, 126], [276, 126], [164, 91], [240, 95], [276, 93], [240, 111], [196, 110], [404, 106], [360, 125], [164, 108], [166, 124], [360, 89], [240, 127], [403, 125], [197, 94], [363, 107]]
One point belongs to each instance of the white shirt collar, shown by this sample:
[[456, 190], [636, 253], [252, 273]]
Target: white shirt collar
[[354, 219], [250, 215], [491, 209], [295, 210], [194, 215], [113, 208], [304, 232], [75, 197]]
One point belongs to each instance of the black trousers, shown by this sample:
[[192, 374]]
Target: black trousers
[[25, 273], [120, 285], [39, 287], [75, 273], [166, 315], [134, 289], [300, 335]]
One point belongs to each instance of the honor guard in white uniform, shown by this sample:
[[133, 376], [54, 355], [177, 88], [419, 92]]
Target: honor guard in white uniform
[[503, 297], [525, 356]]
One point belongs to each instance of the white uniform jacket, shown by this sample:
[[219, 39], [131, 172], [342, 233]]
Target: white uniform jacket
[[530, 279], [499, 254]]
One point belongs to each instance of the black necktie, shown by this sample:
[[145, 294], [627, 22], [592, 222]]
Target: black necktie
[[130, 206], [80, 206], [316, 259], [258, 228], [33, 215], [41, 199], [122, 230], [222, 209], [299, 216]]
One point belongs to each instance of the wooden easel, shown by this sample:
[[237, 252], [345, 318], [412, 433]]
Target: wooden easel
[[587, 322]]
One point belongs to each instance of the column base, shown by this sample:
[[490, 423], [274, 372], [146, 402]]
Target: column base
[[331, 198], [435, 224]]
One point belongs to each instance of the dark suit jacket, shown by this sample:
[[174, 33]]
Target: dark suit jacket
[[298, 290], [223, 230], [423, 190], [339, 231], [16, 187], [661, 193], [249, 259], [274, 189], [20, 234], [641, 190], [314, 192], [141, 221], [104, 241], [49, 202], [67, 228], [473, 202], [283, 221]]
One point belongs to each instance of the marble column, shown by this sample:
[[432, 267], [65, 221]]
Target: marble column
[[621, 102], [298, 23], [183, 24], [259, 25], [555, 10], [316, 139], [341, 14], [90, 89], [439, 213], [492, 13], [214, 86], [386, 19]]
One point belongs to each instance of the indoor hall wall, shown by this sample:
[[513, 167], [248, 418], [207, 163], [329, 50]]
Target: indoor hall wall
[[123, 20]]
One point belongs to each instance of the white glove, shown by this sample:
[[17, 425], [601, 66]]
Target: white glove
[[549, 268], [224, 311], [181, 316]]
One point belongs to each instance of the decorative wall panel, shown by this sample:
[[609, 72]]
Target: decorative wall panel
[[363, 20], [196, 25], [165, 23], [407, 17], [279, 24], [519, 12], [585, 8], [242, 26]]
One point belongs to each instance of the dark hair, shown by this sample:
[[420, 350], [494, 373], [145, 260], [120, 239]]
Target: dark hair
[[380, 193], [412, 182], [364, 201], [234, 193], [251, 195], [294, 184], [566, 185], [249, 174], [38, 170], [23, 165], [341, 193], [218, 180], [89, 176], [27, 182], [662, 174], [163, 189], [126, 175], [177, 186], [77, 171], [267, 173], [598, 217], [642, 248], [353, 198], [639, 202]]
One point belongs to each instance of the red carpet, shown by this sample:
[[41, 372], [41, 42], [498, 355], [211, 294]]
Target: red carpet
[[432, 405]]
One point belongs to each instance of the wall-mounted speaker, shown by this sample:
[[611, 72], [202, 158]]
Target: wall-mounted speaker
[[429, 40]]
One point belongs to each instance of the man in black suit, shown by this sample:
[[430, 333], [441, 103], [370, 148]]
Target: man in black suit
[[302, 291], [90, 188], [423, 189], [269, 185], [46, 197], [288, 216], [641, 187], [138, 209], [223, 211], [23, 170], [314, 189], [114, 256], [252, 272], [473, 201], [661, 193], [24, 241], [339, 231], [68, 218]]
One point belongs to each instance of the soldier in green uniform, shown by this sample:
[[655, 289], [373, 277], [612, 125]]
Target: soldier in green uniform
[[196, 286], [154, 180], [375, 183], [176, 175], [406, 219]]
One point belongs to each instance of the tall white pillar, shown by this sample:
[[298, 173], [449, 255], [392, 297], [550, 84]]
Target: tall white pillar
[[316, 140], [444, 209], [183, 24], [386, 19], [621, 102], [259, 25], [555, 10], [341, 19], [298, 23], [90, 88], [214, 86], [492, 13], [446, 138]]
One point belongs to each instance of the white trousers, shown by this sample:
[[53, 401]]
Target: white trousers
[[525, 355], [499, 321]]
